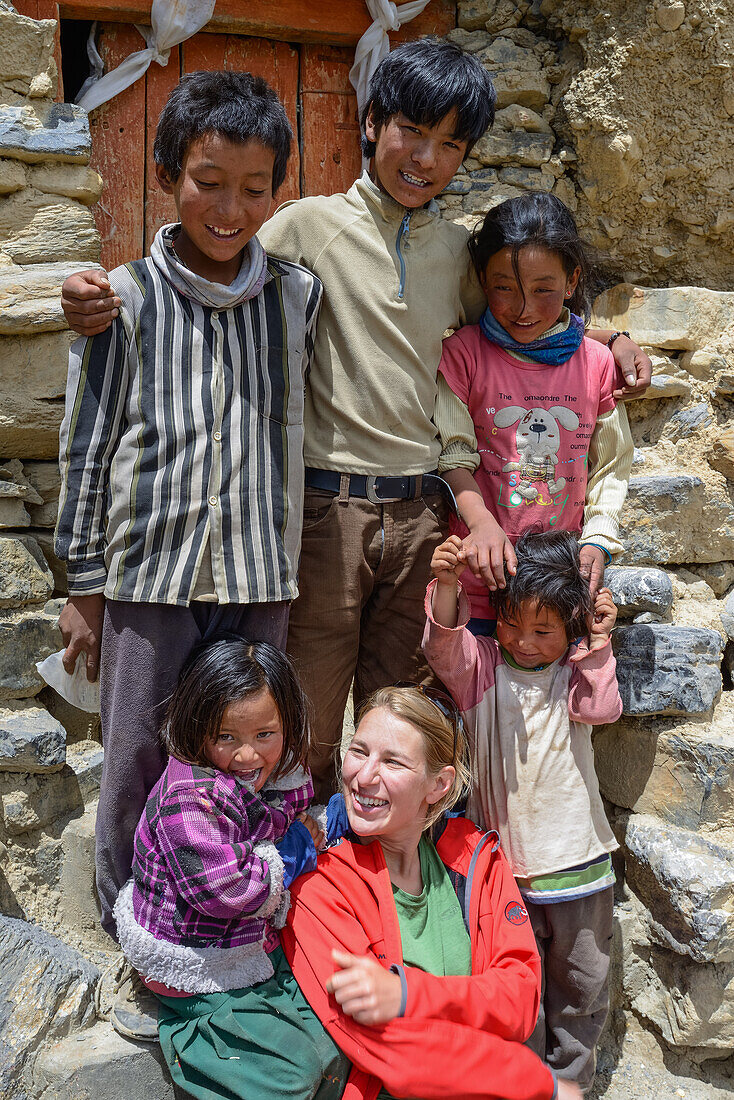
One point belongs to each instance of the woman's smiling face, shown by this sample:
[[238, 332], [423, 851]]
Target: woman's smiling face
[[387, 786]]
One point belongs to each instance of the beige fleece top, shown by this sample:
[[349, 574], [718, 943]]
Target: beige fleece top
[[394, 282]]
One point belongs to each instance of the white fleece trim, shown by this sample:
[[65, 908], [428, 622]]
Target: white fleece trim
[[267, 851], [318, 813], [298, 777], [189, 969]]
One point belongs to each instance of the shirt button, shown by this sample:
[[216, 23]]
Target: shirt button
[[213, 501], [215, 315], [217, 436]]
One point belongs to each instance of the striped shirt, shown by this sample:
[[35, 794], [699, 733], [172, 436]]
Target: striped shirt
[[183, 433]]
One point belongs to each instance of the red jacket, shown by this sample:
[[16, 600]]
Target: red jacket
[[459, 1037]]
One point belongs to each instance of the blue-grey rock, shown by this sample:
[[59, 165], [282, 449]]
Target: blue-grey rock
[[483, 175], [62, 135], [663, 669], [686, 421], [30, 739], [529, 179], [25, 637], [46, 991], [457, 187], [687, 883], [639, 590], [727, 616]]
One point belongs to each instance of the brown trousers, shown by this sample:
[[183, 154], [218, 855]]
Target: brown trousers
[[574, 939], [360, 611]]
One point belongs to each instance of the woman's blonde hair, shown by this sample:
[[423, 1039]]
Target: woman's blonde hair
[[444, 740]]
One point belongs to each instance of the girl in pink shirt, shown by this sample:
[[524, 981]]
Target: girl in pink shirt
[[536, 439]]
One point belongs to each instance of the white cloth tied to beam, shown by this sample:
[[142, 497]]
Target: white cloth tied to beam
[[374, 43], [172, 22]]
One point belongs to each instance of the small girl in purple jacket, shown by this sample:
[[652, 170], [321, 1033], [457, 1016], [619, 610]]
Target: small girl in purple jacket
[[224, 830]]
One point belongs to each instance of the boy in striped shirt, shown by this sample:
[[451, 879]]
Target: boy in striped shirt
[[182, 443]]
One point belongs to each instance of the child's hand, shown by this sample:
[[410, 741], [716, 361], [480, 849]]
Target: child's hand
[[603, 619], [317, 834], [80, 623], [366, 991], [592, 567], [486, 550], [446, 564], [89, 302]]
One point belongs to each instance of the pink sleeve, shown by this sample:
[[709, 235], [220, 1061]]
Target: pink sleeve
[[593, 694], [465, 664], [609, 378], [457, 365]]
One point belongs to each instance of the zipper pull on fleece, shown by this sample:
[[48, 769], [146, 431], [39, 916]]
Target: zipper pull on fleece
[[402, 234]]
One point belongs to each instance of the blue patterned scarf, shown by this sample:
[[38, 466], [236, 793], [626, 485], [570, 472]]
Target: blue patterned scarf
[[550, 350]]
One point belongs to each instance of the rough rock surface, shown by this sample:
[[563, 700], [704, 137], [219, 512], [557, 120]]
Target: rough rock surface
[[46, 990], [656, 189], [30, 739], [639, 590], [665, 669], [92, 1065]]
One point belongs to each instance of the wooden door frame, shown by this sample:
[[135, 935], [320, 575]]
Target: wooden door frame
[[331, 22]]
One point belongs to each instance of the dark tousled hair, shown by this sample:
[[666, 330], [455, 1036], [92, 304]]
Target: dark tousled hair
[[536, 218], [223, 670], [427, 80], [549, 574], [239, 106]]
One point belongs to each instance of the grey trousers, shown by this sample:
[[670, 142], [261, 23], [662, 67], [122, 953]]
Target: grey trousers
[[144, 647], [574, 940]]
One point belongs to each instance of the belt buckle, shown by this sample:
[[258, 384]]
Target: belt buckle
[[371, 491]]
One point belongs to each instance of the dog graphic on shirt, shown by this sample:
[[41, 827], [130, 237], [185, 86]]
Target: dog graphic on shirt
[[537, 439]]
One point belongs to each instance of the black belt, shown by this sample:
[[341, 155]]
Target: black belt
[[381, 489]]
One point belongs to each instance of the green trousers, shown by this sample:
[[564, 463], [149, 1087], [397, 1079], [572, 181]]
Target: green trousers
[[245, 1044]]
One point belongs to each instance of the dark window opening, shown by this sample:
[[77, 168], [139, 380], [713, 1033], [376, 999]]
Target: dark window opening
[[74, 61]]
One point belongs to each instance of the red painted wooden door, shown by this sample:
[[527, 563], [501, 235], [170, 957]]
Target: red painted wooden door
[[311, 79]]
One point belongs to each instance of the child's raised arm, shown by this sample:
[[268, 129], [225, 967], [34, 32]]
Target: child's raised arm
[[447, 567]]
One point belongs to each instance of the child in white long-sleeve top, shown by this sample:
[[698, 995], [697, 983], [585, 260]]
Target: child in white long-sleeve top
[[530, 698]]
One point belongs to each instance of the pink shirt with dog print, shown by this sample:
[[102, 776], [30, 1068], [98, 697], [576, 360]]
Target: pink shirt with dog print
[[533, 424]]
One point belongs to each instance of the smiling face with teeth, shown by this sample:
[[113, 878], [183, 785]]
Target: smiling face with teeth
[[413, 162], [387, 786], [223, 195], [249, 741]]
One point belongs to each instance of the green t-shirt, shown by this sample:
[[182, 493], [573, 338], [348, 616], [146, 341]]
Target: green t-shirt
[[432, 929]]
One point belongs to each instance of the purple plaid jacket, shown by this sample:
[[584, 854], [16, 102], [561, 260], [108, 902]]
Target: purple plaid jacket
[[207, 887]]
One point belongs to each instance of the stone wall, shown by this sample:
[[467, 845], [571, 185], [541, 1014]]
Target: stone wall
[[50, 757]]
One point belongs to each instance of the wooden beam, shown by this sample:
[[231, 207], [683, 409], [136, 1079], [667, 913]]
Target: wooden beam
[[335, 22]]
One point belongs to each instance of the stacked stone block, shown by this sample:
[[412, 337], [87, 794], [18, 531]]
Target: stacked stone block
[[50, 756]]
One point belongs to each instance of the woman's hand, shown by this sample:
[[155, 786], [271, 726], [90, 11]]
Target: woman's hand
[[366, 991], [317, 834], [635, 365], [568, 1090]]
